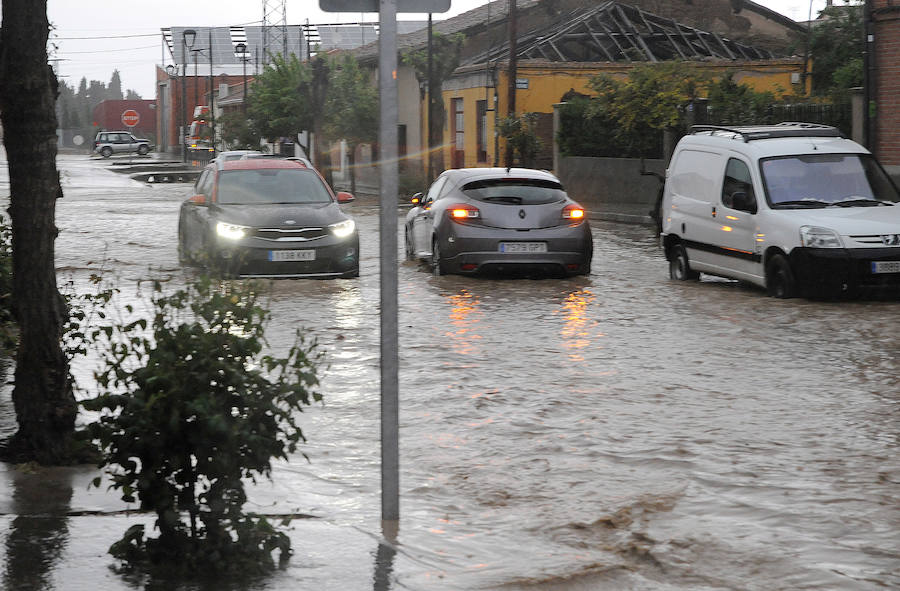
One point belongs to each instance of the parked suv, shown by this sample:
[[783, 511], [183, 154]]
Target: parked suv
[[795, 208], [108, 143]]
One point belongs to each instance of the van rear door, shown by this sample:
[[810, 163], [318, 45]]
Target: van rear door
[[693, 186]]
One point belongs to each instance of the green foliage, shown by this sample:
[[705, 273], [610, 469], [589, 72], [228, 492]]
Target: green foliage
[[191, 407], [584, 134], [351, 109], [237, 133], [653, 96], [733, 103], [520, 133], [445, 55], [276, 104], [836, 44]]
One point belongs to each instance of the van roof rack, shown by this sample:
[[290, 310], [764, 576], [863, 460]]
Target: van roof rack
[[762, 132]]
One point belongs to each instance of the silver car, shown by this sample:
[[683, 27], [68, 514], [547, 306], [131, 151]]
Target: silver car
[[498, 220]]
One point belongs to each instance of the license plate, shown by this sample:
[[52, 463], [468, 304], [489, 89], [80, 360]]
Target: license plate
[[886, 267], [523, 247], [292, 255]]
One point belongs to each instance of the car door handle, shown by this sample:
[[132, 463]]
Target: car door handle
[[714, 211]]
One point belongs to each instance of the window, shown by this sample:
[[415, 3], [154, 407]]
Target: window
[[738, 180], [515, 191], [271, 186], [401, 141], [481, 121]]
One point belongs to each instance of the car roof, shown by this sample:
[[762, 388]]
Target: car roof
[[777, 146], [473, 174], [781, 139], [260, 163]]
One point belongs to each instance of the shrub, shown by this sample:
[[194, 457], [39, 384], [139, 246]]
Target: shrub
[[190, 408]]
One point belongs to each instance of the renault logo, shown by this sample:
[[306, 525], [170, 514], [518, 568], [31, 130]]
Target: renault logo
[[890, 239], [522, 214]]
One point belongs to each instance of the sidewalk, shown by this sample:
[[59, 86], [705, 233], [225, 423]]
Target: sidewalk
[[56, 531]]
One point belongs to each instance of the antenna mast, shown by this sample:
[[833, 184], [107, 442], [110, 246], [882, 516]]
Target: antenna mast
[[274, 29]]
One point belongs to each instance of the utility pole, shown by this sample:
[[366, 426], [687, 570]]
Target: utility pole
[[511, 74], [430, 105]]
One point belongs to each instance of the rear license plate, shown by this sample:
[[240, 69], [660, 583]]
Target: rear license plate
[[886, 267], [292, 255], [523, 247]]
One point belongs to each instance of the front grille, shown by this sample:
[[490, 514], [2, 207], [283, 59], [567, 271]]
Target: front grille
[[289, 234], [871, 240]]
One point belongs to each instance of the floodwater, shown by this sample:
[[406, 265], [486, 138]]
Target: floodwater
[[619, 431]]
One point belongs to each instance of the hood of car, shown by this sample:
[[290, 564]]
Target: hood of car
[[852, 220], [278, 215]]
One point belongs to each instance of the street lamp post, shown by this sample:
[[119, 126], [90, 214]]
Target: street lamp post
[[241, 48], [187, 40]]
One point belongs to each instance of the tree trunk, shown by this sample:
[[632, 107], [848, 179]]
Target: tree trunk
[[44, 402]]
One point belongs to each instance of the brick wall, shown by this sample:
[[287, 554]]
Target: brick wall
[[886, 28]]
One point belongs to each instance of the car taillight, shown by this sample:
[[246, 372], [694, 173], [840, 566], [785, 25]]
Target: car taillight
[[573, 212], [463, 212]]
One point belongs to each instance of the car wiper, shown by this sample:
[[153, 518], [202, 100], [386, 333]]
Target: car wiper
[[861, 202], [803, 203]]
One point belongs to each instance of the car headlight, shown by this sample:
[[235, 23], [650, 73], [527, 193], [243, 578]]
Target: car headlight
[[343, 229], [814, 237], [231, 231]]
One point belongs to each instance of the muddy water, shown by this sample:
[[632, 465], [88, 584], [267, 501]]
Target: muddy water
[[618, 431]]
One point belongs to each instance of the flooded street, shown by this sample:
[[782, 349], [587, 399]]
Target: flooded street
[[619, 431]]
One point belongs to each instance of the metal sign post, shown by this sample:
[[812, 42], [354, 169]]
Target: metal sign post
[[388, 168], [390, 439]]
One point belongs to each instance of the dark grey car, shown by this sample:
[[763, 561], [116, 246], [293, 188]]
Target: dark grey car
[[498, 220], [268, 218]]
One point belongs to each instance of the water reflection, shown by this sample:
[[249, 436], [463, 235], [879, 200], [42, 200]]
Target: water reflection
[[465, 314], [576, 331], [384, 557], [39, 534]]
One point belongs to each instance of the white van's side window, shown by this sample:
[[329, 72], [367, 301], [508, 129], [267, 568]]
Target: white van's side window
[[737, 188]]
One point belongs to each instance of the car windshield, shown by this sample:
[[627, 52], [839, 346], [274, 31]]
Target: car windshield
[[515, 191], [271, 185], [823, 180]]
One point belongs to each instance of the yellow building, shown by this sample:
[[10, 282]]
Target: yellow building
[[469, 98]]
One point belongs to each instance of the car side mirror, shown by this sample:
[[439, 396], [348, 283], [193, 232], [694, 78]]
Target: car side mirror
[[416, 199], [198, 199], [742, 201], [345, 197]]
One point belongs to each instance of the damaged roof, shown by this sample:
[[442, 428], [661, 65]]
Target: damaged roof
[[616, 32]]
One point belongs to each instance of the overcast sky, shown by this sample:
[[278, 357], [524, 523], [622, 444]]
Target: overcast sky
[[95, 37]]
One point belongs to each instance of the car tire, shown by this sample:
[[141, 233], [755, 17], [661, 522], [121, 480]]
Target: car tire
[[410, 253], [184, 257], [438, 267], [143, 149], [106, 152], [680, 266], [780, 278]]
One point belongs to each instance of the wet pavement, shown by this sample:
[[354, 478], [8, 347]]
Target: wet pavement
[[618, 431]]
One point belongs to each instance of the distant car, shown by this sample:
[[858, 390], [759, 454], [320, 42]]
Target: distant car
[[235, 154], [268, 218], [107, 143], [490, 220]]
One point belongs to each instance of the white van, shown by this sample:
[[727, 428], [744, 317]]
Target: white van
[[795, 208]]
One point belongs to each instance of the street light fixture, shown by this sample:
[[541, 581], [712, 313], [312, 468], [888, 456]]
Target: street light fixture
[[241, 48], [187, 40]]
